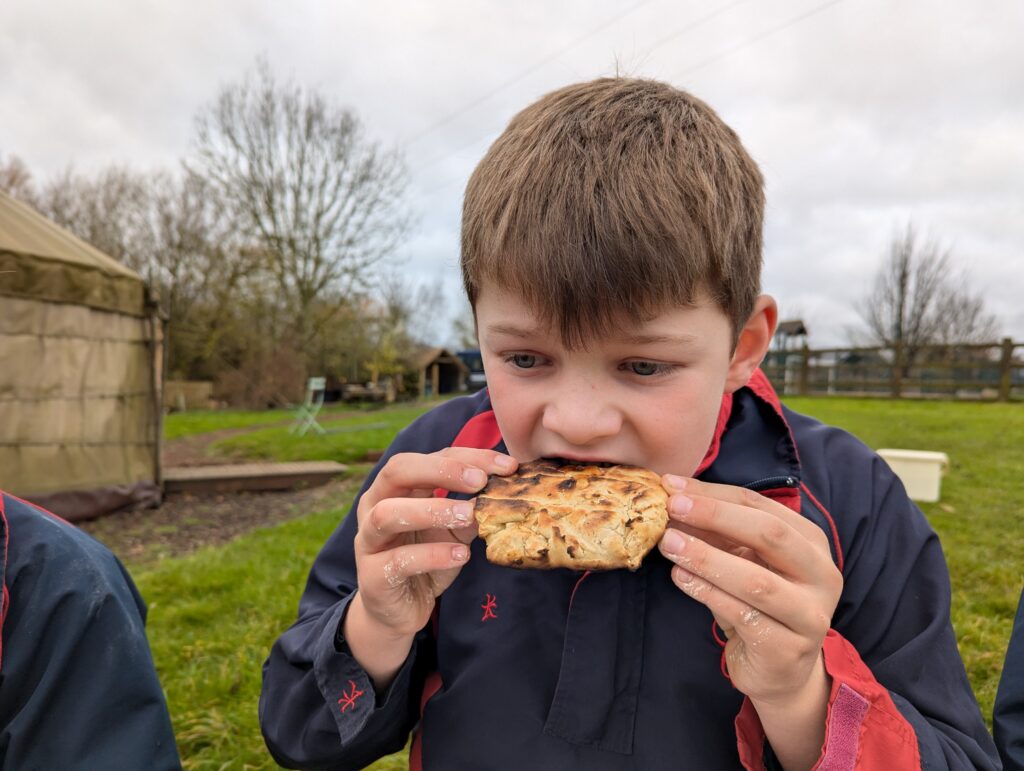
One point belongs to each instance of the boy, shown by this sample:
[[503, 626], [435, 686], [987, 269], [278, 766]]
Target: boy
[[1008, 715], [77, 685], [611, 249]]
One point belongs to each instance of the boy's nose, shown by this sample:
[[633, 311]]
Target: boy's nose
[[581, 418]]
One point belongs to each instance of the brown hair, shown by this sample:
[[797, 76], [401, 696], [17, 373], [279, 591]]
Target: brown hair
[[615, 197]]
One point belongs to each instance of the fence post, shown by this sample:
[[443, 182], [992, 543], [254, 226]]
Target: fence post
[[897, 369], [1005, 368], [805, 370]]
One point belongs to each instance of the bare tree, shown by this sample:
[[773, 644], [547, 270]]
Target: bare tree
[[174, 232], [464, 325], [111, 210], [205, 273], [917, 301], [16, 179], [323, 203], [962, 315]]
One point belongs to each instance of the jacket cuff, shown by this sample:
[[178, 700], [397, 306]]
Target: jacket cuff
[[345, 686], [863, 727]]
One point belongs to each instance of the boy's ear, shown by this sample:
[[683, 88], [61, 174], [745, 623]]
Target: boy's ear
[[753, 343]]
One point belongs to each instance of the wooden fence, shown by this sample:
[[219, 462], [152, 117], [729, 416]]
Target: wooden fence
[[987, 371]]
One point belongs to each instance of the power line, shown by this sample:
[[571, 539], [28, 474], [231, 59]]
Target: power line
[[528, 71], [690, 26], [446, 155], [693, 25], [760, 36], [699, 65]]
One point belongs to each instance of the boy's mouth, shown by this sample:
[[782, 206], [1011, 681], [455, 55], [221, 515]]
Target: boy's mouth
[[585, 460]]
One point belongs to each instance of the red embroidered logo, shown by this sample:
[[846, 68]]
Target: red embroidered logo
[[349, 699], [489, 607]]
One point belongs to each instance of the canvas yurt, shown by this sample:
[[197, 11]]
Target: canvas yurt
[[80, 372]]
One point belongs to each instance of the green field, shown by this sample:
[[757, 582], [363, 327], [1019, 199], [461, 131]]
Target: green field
[[345, 441], [212, 619], [980, 518], [214, 614], [190, 423]]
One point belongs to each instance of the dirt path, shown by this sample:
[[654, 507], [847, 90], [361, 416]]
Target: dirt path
[[184, 523]]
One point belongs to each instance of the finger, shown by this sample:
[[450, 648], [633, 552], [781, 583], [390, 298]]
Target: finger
[[781, 545], [736, 618], [390, 569], [716, 540], [742, 496], [748, 630], [394, 516], [466, 534], [733, 616], [750, 583], [458, 469]]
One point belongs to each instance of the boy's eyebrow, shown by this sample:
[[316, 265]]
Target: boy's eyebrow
[[638, 339], [513, 331], [650, 339]]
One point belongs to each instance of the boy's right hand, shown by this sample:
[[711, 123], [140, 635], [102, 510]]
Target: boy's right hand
[[411, 545]]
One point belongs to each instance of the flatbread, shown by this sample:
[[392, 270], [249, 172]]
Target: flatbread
[[556, 514]]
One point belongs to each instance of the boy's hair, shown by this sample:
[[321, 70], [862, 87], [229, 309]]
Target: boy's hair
[[617, 197]]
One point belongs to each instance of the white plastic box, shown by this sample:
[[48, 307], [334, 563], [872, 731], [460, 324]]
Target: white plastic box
[[919, 470]]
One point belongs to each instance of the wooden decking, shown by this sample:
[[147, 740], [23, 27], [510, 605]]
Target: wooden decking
[[249, 476]]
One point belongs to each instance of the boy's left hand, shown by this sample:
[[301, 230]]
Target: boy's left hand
[[767, 575]]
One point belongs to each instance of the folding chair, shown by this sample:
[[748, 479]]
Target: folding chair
[[305, 418]]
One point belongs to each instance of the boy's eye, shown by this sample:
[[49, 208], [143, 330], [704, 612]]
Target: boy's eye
[[523, 360], [644, 368]]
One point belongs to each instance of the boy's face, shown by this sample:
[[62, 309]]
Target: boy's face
[[649, 395]]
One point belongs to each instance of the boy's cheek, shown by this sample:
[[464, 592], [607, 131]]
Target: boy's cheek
[[514, 417]]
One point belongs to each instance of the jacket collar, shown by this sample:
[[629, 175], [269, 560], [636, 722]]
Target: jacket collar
[[753, 445]]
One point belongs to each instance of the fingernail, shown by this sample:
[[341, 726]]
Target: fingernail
[[683, 576], [504, 461], [460, 554], [462, 512], [673, 481], [474, 477], [680, 505], [674, 541]]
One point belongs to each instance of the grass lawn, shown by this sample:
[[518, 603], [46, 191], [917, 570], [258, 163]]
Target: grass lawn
[[179, 424], [346, 441], [212, 619], [980, 518], [214, 614]]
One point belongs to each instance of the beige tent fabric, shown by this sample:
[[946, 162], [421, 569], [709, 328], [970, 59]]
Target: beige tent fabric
[[78, 365], [76, 398], [39, 259]]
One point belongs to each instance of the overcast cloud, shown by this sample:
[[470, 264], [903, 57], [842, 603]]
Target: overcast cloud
[[863, 115]]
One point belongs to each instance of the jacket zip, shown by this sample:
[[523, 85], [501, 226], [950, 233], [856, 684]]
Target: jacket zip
[[773, 482]]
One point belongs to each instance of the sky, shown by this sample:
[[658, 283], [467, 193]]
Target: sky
[[863, 116]]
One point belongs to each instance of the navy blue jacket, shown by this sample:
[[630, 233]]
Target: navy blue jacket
[[618, 670], [78, 691], [1008, 716]]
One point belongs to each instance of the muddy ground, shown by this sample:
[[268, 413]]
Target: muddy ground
[[184, 523]]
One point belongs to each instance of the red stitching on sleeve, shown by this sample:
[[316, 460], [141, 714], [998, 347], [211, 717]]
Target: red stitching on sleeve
[[348, 699]]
